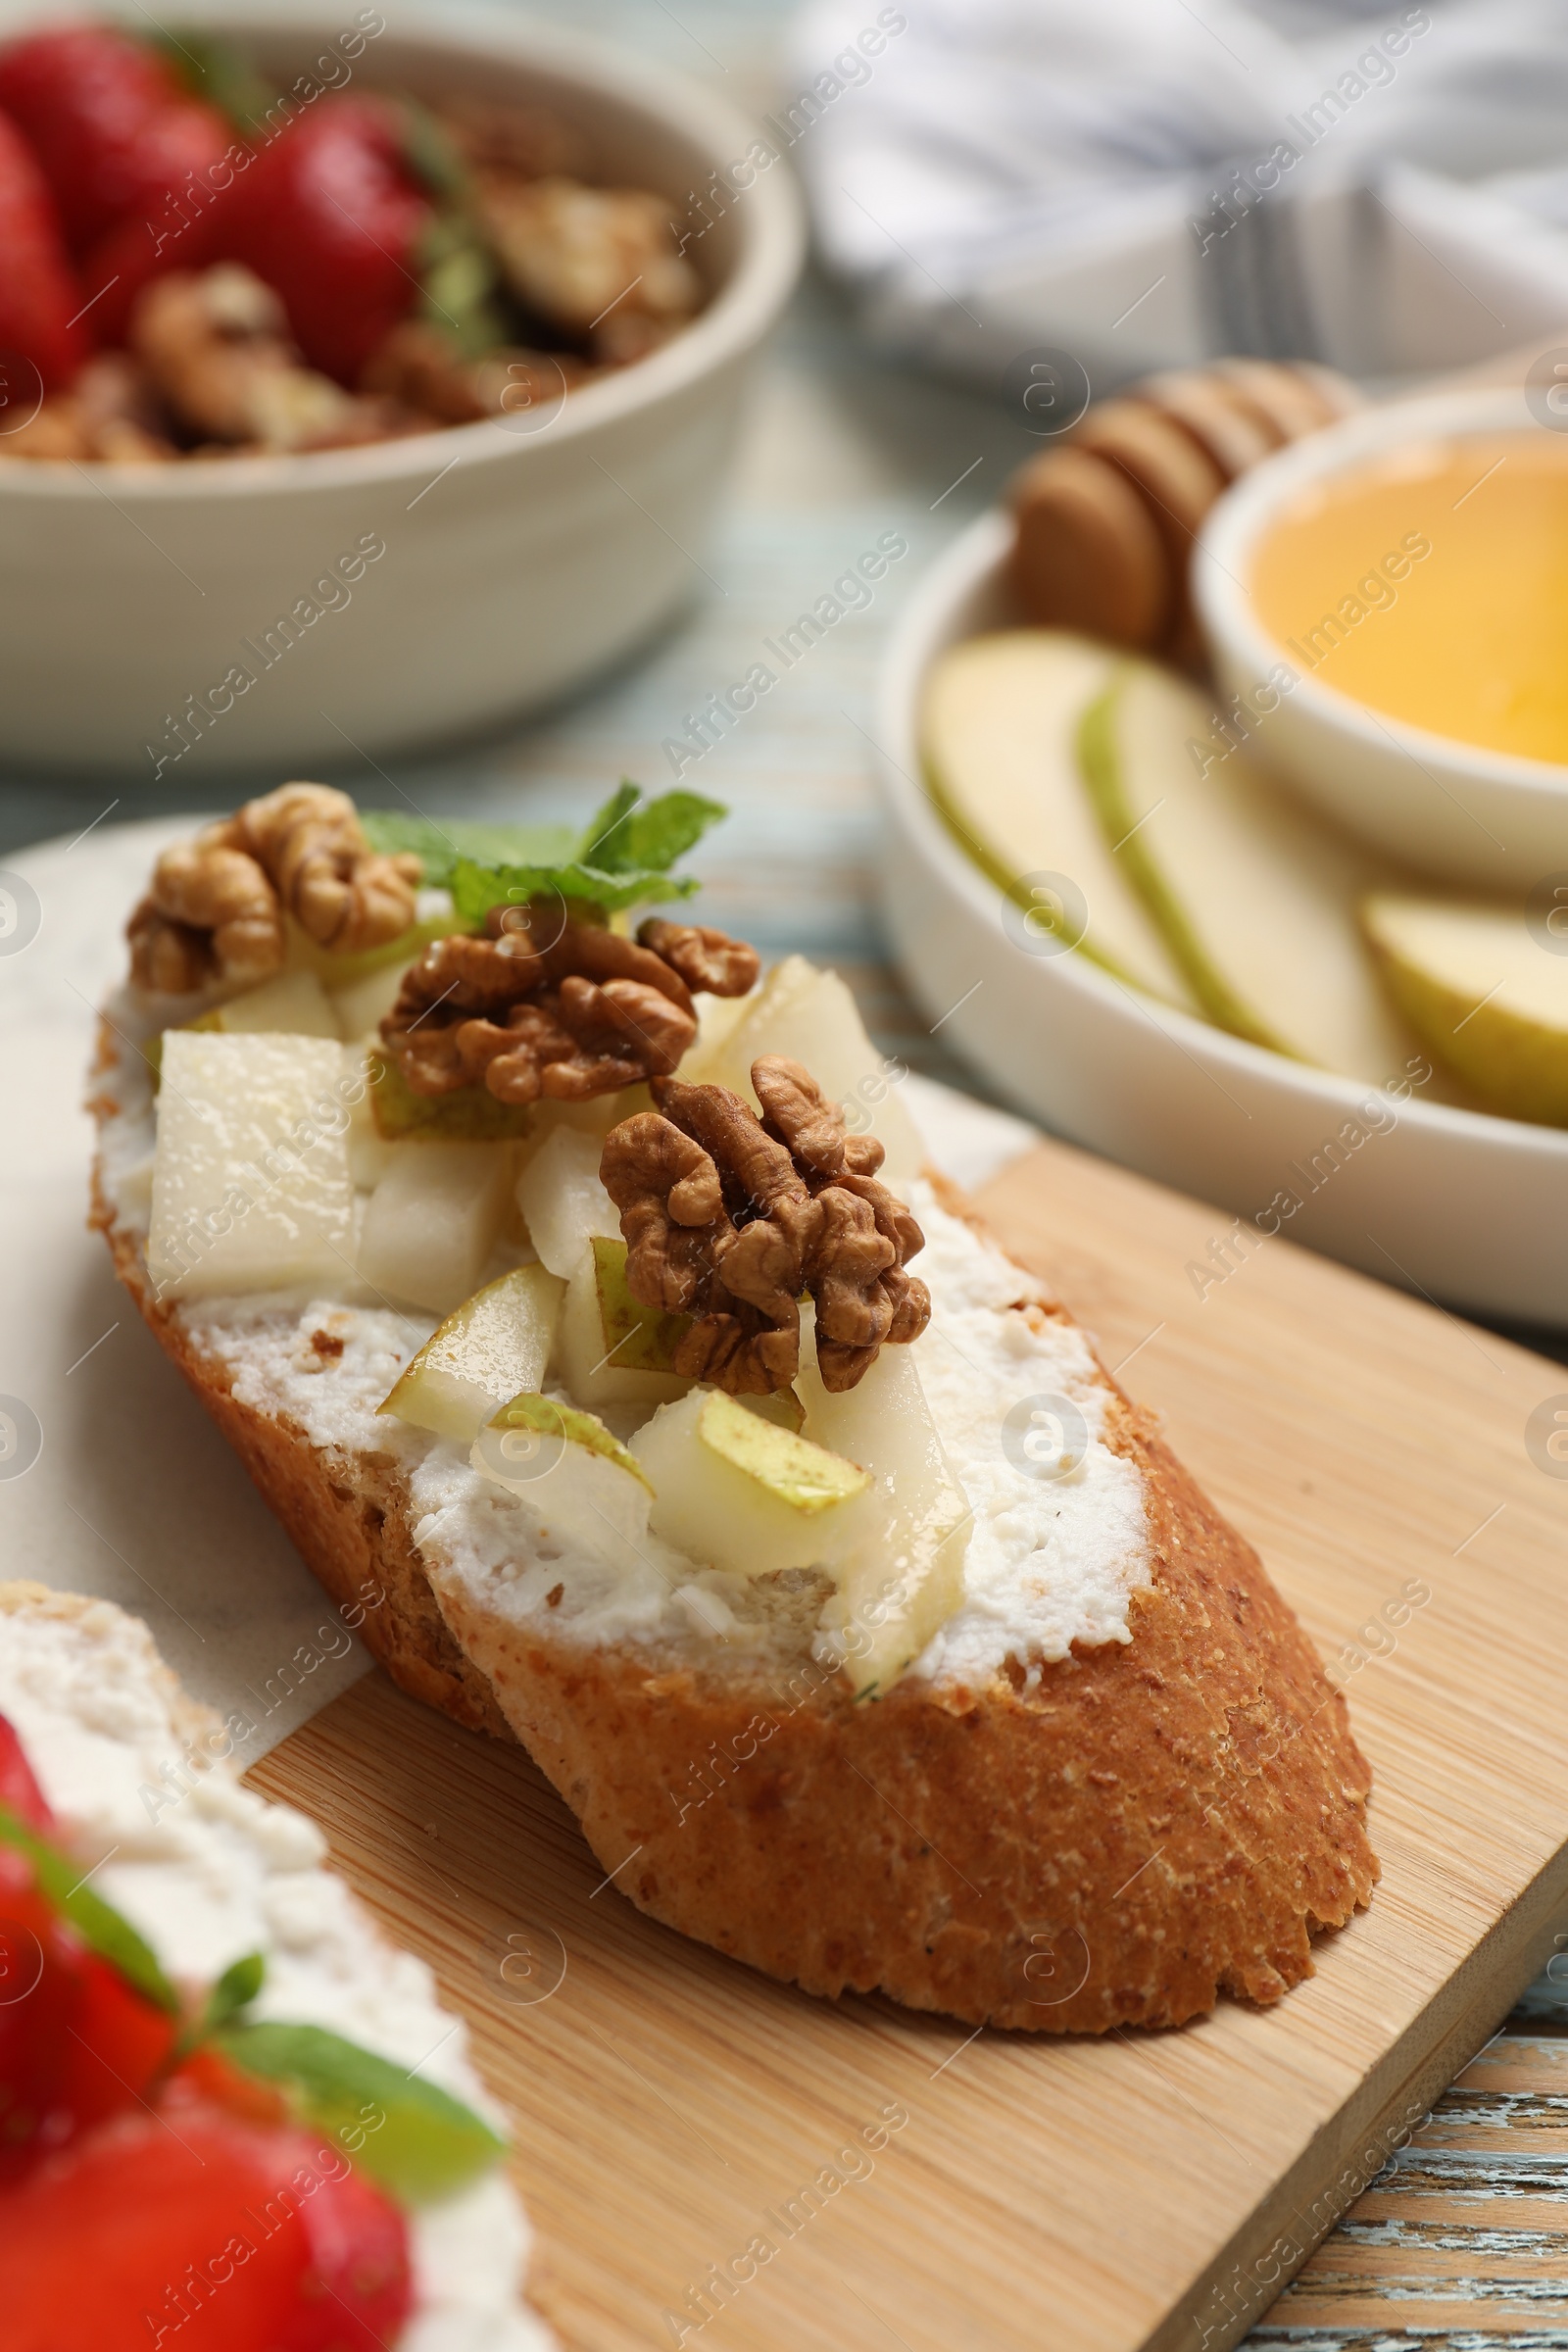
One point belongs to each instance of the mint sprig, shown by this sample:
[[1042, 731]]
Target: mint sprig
[[412, 2138], [621, 858], [100, 1927], [441, 847], [630, 835]]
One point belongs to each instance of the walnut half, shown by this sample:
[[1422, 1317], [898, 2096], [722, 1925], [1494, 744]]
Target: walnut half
[[214, 911], [546, 1004], [729, 1218]]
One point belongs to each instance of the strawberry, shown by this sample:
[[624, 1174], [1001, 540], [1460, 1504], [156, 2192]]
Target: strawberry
[[78, 2042], [188, 2228], [40, 2000], [114, 130], [18, 1789], [39, 301], [333, 217]]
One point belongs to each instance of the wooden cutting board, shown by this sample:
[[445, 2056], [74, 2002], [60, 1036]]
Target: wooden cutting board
[[999, 2190]]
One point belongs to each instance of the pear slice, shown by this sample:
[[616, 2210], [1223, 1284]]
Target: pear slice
[[1255, 899], [739, 1493], [783, 1406], [334, 970], [469, 1114], [612, 1350], [432, 1222], [905, 1576], [251, 1187], [810, 1017], [1486, 996], [582, 1481], [290, 1004], [363, 1006], [998, 740], [563, 1204], [496, 1343]]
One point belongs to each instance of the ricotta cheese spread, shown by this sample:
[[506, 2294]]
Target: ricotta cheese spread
[[1057, 1549]]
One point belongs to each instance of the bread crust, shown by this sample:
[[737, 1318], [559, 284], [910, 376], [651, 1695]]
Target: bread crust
[[1142, 1828]]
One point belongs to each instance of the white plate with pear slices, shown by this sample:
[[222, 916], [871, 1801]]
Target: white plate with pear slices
[[1079, 900]]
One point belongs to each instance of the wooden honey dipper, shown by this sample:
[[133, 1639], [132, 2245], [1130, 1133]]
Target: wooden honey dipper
[[1106, 519]]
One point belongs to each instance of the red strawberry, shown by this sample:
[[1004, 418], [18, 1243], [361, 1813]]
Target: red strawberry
[[186, 2228], [77, 2042], [39, 297], [19, 1792], [331, 216], [111, 124], [41, 1970]]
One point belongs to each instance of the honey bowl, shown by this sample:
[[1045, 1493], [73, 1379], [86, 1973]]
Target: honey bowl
[[1386, 606]]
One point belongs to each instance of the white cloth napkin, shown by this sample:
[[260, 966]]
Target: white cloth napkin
[[1149, 182]]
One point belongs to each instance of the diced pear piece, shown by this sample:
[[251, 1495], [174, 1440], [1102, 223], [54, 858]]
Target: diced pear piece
[[611, 1349], [998, 737], [582, 1481], [717, 1017], [738, 1492], [1488, 996], [251, 1184], [433, 1220], [496, 1345], [563, 1202], [335, 971], [1255, 899], [369, 1153], [363, 1005], [904, 1577], [469, 1114], [782, 1406], [293, 1004], [810, 1017]]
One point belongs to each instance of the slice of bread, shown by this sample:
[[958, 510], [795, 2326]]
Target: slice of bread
[[1109, 1823]]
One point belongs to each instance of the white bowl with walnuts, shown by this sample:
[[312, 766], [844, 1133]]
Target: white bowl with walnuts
[[316, 573]]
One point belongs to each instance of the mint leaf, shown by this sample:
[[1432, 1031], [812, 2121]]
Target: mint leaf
[[234, 1990], [621, 859], [442, 845], [475, 889], [100, 1928], [599, 845], [625, 836], [414, 2140]]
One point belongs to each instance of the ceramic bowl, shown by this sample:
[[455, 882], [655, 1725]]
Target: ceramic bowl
[[1455, 809], [519, 557], [1464, 1206]]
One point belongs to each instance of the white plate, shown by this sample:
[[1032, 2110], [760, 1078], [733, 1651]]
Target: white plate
[[1464, 1206]]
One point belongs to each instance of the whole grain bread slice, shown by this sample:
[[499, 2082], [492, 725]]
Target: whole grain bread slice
[[1118, 1839]]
